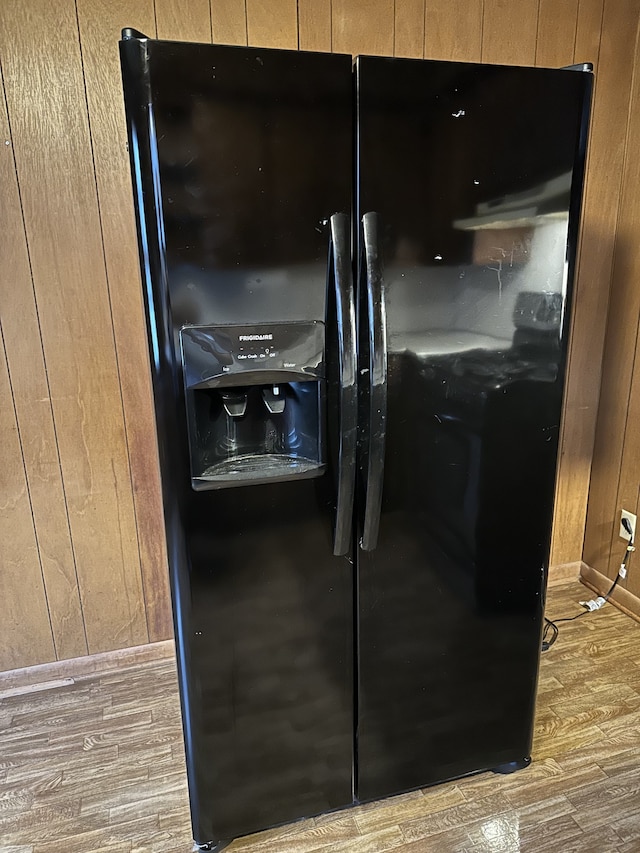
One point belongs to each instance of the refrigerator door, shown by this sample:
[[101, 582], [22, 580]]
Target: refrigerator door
[[469, 183], [241, 160]]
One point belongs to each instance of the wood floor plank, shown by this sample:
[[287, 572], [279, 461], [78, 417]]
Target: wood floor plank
[[484, 784], [577, 779], [564, 835], [599, 803], [626, 824], [603, 753], [466, 813], [342, 831], [94, 839], [120, 660], [389, 812]]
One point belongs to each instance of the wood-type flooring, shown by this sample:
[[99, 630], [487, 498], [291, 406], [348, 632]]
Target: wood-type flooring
[[91, 758]]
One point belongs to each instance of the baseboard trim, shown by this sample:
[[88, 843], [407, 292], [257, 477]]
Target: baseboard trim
[[620, 598], [564, 572], [31, 676]]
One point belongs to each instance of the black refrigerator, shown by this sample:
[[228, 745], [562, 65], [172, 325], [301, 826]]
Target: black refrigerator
[[357, 280]]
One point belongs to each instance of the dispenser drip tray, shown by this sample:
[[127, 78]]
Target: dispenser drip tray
[[252, 468]]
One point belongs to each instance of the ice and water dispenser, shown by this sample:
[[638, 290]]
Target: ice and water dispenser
[[255, 402]]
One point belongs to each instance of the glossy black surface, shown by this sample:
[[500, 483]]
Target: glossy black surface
[[474, 174], [467, 192], [341, 316], [232, 356], [373, 383], [239, 163]]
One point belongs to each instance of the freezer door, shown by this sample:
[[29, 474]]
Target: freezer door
[[242, 164], [468, 191]]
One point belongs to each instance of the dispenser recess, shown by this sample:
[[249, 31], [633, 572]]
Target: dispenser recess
[[255, 399]]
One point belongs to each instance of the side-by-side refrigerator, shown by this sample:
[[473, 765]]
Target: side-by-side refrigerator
[[358, 284]]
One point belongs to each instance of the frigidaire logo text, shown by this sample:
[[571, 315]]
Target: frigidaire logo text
[[255, 337]]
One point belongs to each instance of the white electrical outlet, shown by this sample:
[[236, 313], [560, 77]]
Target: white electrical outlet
[[632, 519]]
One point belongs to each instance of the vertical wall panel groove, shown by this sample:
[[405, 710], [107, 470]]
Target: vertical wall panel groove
[[181, 20], [365, 27], [578, 424], [50, 125], [109, 299], [601, 203], [9, 396], [314, 25], [628, 490], [588, 32], [555, 47], [31, 398], [229, 21], [616, 460], [272, 23], [453, 30], [509, 31], [408, 28], [25, 630], [556, 33], [99, 20]]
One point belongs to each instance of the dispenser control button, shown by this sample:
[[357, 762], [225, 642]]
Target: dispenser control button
[[235, 403], [274, 399]]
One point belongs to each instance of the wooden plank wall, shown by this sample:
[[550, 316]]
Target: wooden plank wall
[[616, 460], [83, 561]]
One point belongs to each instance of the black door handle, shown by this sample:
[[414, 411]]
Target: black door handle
[[345, 317], [375, 415]]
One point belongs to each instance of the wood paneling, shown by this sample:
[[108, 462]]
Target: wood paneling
[[272, 23], [621, 375], [25, 631], [229, 21], [314, 24], [99, 21], [183, 20], [408, 29], [21, 330], [70, 295], [588, 31], [578, 423], [556, 37], [48, 117], [364, 27], [602, 194], [578, 420], [509, 32], [453, 30]]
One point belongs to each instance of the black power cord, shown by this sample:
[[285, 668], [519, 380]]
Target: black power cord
[[551, 630]]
